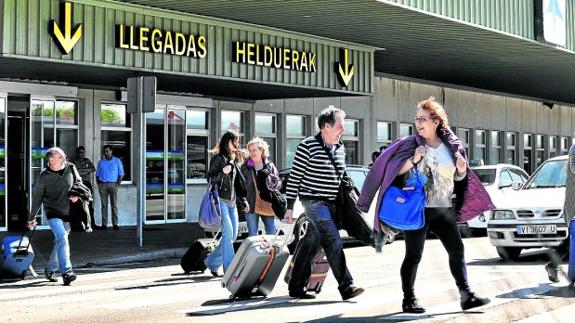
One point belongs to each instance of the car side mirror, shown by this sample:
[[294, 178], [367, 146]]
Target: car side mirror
[[516, 186]]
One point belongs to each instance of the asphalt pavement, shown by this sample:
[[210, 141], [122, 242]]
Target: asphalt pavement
[[109, 247]]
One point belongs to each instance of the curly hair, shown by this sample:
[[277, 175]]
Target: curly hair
[[436, 112], [262, 146]]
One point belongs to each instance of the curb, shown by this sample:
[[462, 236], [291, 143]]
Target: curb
[[142, 257]]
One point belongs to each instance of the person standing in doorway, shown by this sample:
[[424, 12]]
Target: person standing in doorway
[[315, 178], [109, 175], [51, 190], [86, 168]]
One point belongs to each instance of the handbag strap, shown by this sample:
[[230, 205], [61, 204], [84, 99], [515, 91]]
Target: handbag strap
[[330, 156]]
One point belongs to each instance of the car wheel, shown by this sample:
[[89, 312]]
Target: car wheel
[[509, 253], [300, 230]]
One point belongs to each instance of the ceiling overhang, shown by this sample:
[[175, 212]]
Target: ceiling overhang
[[413, 43]]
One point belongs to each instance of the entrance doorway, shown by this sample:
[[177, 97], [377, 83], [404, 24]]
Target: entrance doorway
[[165, 165], [17, 155]]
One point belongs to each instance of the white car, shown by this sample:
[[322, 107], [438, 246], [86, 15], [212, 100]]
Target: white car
[[531, 216], [496, 179]]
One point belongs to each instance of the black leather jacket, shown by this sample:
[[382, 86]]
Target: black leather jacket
[[231, 186]]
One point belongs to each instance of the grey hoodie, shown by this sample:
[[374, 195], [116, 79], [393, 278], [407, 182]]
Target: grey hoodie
[[51, 189]]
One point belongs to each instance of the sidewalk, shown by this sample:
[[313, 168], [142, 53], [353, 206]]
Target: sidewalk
[[109, 247]]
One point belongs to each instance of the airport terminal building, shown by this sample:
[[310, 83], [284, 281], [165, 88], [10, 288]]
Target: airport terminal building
[[503, 69]]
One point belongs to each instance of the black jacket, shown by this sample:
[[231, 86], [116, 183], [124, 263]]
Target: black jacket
[[266, 179], [231, 186], [80, 211]]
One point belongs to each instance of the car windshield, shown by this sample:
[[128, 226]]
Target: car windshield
[[486, 176], [551, 174]]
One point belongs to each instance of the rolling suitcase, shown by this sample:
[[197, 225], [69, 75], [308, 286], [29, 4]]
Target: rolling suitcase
[[319, 269], [193, 259], [256, 266], [17, 257]]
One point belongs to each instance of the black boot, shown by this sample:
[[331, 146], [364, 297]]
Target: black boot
[[411, 305], [469, 300]]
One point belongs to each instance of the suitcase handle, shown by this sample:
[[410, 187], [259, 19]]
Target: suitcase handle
[[18, 249]]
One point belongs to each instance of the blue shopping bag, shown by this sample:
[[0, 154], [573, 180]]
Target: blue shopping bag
[[210, 214], [403, 208]]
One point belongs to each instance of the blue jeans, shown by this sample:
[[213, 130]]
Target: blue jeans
[[321, 233], [224, 252], [60, 256], [252, 222]]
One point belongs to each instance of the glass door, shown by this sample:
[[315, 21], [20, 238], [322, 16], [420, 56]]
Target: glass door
[[3, 164], [155, 173], [176, 164], [52, 123]]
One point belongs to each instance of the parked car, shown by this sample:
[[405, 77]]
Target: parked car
[[531, 216], [357, 173], [496, 179]]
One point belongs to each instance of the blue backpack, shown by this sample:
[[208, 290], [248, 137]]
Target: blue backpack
[[403, 208]]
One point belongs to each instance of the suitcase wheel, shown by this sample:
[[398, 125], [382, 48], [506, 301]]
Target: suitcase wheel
[[23, 275], [223, 284]]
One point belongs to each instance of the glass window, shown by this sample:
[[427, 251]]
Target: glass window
[[295, 131], [114, 115], [552, 146], [232, 120], [197, 119], [384, 130], [66, 113], [486, 176], [198, 144], [351, 141], [511, 148], [518, 175], [464, 135], [495, 154], [117, 133], [295, 126], [564, 145], [505, 178], [527, 148], [266, 129], [405, 129], [352, 128], [540, 150], [479, 153]]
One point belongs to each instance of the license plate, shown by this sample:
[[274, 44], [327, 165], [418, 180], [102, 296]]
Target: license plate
[[536, 229]]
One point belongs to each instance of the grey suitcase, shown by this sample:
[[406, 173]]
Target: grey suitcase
[[256, 267]]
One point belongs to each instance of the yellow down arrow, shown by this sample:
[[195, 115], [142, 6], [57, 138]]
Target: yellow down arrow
[[67, 40], [346, 71]]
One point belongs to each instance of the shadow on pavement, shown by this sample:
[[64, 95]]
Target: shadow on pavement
[[538, 257], [186, 279], [223, 306], [392, 317]]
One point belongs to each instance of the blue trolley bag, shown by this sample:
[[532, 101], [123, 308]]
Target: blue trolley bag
[[17, 256], [571, 271]]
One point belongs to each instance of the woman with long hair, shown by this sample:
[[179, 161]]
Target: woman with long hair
[[261, 177], [225, 174], [440, 155]]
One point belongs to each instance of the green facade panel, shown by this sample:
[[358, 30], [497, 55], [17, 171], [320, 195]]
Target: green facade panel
[[510, 16], [25, 35]]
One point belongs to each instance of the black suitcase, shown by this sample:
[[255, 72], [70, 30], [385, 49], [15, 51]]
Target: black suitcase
[[193, 259]]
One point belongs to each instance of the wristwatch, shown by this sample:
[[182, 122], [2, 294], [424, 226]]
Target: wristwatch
[[413, 161]]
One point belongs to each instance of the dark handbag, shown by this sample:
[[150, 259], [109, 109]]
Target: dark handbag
[[210, 214], [275, 197], [403, 208]]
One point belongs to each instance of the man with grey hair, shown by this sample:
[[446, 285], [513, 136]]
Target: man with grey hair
[[51, 189], [317, 171]]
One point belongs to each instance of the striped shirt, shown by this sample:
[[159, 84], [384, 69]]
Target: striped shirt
[[313, 175]]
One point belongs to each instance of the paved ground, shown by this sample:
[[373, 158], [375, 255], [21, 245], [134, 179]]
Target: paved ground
[[105, 247], [160, 292]]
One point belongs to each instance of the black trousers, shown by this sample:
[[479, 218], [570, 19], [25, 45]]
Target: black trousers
[[91, 204], [440, 221]]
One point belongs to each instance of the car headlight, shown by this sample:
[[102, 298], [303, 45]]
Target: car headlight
[[502, 215]]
